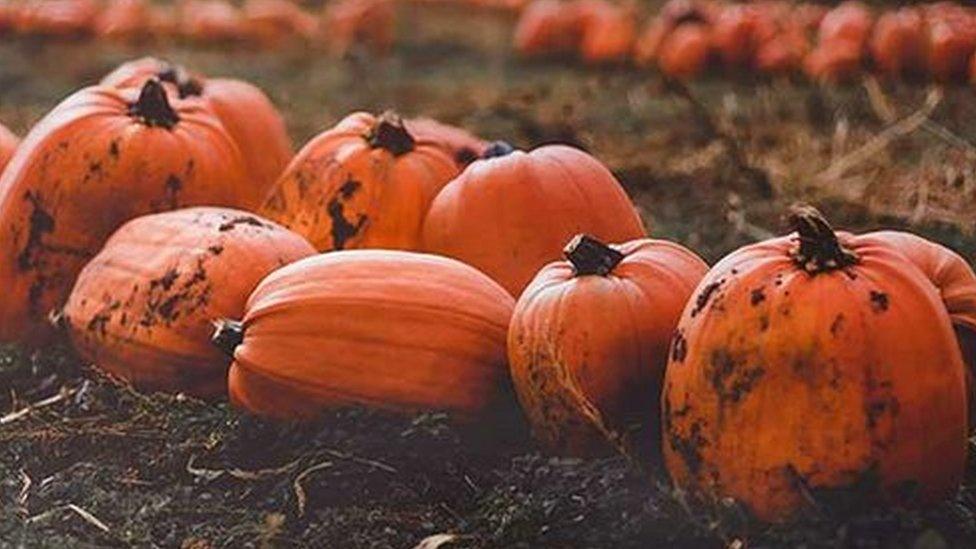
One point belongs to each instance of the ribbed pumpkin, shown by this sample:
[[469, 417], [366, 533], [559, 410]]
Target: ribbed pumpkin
[[588, 342], [8, 144], [100, 158], [124, 20], [463, 146], [142, 308], [366, 183], [813, 366], [245, 111], [956, 282], [509, 215], [393, 330]]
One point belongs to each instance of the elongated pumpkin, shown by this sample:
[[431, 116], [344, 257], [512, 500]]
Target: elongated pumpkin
[[100, 158], [8, 144], [245, 111], [366, 183], [589, 338], [394, 330], [511, 214], [815, 365], [142, 308]]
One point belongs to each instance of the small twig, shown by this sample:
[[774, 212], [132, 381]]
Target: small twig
[[63, 394], [25, 489], [241, 474], [297, 484], [360, 460], [89, 518]]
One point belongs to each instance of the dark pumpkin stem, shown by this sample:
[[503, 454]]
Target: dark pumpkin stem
[[589, 256], [153, 106], [818, 249], [178, 76], [498, 148], [389, 133], [228, 335]]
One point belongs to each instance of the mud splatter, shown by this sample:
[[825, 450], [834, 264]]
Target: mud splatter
[[342, 229], [879, 301], [757, 296], [248, 220], [705, 296], [679, 347]]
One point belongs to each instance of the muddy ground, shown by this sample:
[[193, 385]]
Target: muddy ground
[[712, 166]]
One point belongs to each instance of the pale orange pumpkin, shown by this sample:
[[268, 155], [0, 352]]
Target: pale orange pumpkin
[[272, 22], [588, 342], [369, 24], [815, 364], [366, 183], [245, 111], [393, 330], [142, 308], [100, 158], [509, 215], [124, 20], [211, 21], [547, 27]]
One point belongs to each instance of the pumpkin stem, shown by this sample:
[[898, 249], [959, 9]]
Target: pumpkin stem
[[178, 76], [818, 250], [389, 133], [589, 256], [498, 148], [228, 334], [153, 106]]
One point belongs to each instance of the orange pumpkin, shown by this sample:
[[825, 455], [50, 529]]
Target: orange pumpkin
[[211, 21], [685, 52], [736, 34], [57, 18], [589, 337], [608, 31], [813, 365], [463, 146], [898, 42], [100, 158], [370, 24], [274, 21], [394, 330], [784, 51], [8, 145], [366, 183], [843, 35], [509, 215], [142, 308], [124, 20], [546, 27], [672, 14], [951, 42], [245, 111]]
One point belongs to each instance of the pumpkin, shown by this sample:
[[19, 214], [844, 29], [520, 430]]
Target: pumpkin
[[898, 42], [843, 35], [816, 365], [211, 21], [510, 214], [274, 21], [57, 18], [370, 24], [245, 111], [671, 15], [124, 20], [100, 158], [8, 144], [366, 183], [608, 31], [142, 308], [784, 51], [393, 330], [547, 27], [951, 42], [588, 341], [956, 282], [685, 52], [736, 34], [463, 146]]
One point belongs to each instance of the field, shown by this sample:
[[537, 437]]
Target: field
[[713, 165]]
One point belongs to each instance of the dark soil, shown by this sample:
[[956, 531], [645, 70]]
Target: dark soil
[[713, 168]]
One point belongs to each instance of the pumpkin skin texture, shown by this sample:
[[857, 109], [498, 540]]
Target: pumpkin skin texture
[[824, 365], [272, 22], [248, 115], [510, 215], [369, 24], [898, 42], [608, 32], [62, 196], [547, 27], [366, 183], [211, 21], [142, 308], [57, 18], [124, 20], [685, 53], [394, 330], [8, 144], [588, 342]]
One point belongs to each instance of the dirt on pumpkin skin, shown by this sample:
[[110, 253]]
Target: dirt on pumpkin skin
[[104, 466]]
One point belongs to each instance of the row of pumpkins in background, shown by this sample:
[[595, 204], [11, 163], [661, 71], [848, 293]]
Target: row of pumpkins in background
[[689, 37], [147, 214], [341, 24]]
